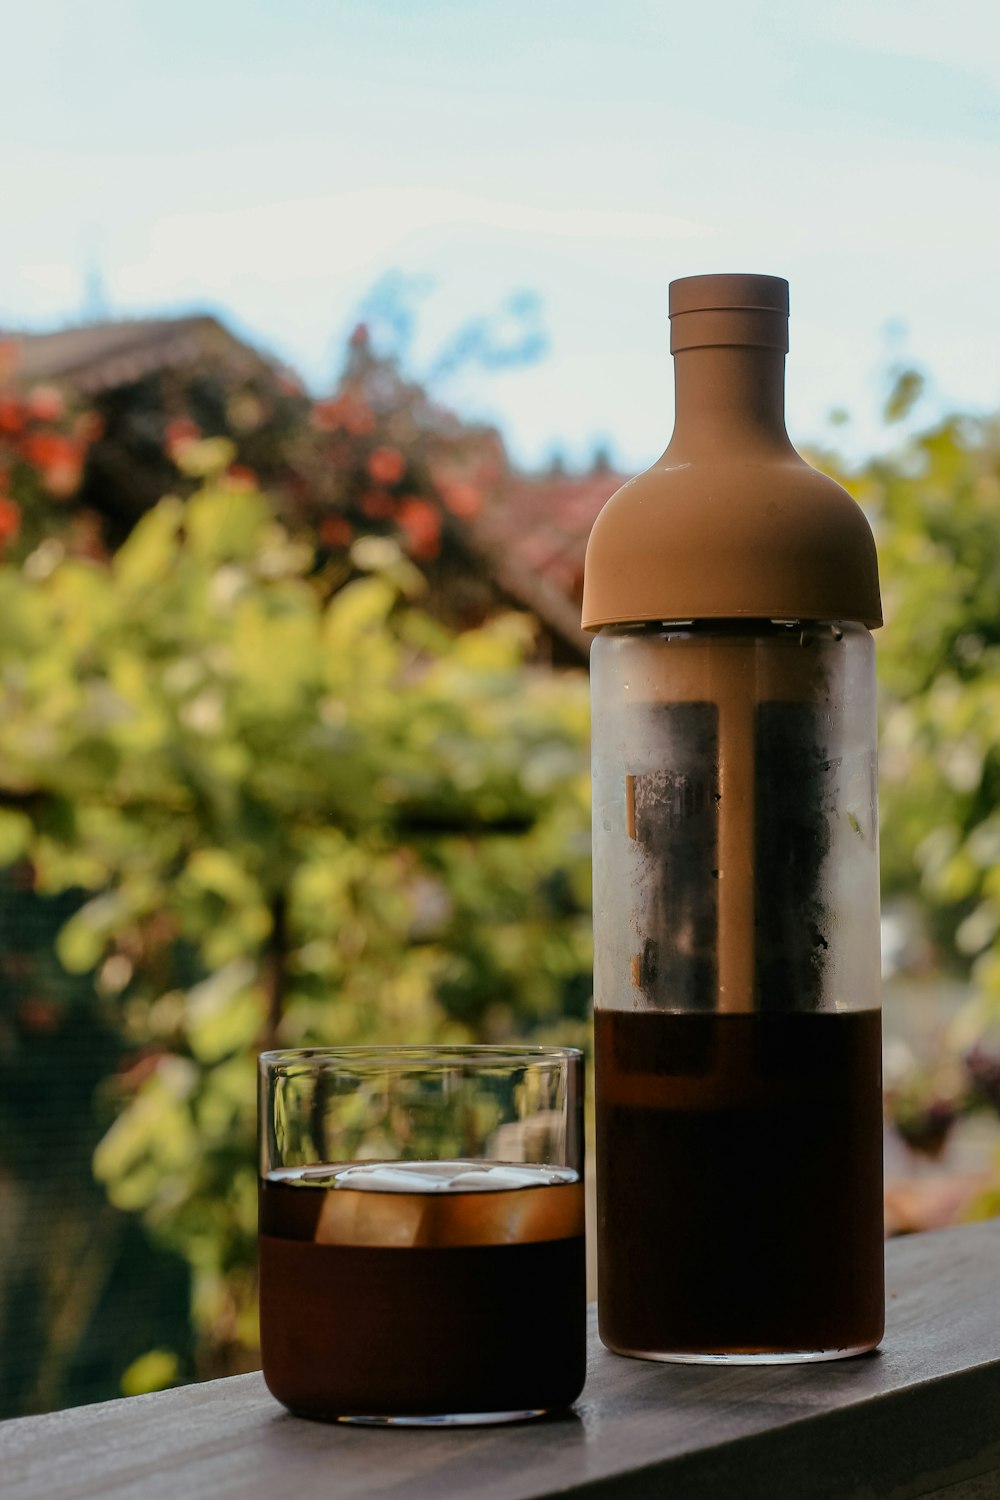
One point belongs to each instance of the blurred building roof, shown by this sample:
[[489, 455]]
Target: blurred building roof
[[536, 537], [99, 357]]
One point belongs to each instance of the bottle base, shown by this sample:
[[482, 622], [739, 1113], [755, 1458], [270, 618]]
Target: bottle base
[[740, 1357]]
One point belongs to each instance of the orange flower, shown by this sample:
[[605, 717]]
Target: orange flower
[[422, 525], [386, 465], [334, 531]]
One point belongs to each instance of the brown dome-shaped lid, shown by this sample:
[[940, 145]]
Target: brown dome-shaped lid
[[730, 523]]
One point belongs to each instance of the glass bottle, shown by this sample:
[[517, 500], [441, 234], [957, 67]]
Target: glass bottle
[[736, 901]]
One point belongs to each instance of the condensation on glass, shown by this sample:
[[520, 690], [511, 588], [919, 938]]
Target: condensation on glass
[[735, 817]]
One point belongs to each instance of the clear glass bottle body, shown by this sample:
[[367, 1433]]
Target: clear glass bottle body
[[738, 1044]]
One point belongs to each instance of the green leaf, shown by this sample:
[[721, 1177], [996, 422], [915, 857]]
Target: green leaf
[[149, 553], [153, 1371], [81, 943], [224, 1012], [226, 523], [15, 835]]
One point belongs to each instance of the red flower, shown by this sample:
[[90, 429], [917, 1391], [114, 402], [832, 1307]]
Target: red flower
[[10, 520], [11, 415], [58, 458], [45, 403], [44, 448], [422, 526], [334, 531], [347, 412], [386, 465], [462, 499]]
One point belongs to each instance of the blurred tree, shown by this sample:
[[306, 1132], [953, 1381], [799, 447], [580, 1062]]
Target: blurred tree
[[935, 504], [388, 480], [302, 816], [255, 788]]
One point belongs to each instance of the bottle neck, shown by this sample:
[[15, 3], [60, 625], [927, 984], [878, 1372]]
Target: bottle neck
[[730, 399]]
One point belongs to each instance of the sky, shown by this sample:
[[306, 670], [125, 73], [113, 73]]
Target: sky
[[549, 165]]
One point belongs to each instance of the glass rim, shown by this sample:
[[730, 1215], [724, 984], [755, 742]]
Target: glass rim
[[416, 1055]]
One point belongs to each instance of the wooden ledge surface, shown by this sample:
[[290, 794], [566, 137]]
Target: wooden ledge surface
[[919, 1418]]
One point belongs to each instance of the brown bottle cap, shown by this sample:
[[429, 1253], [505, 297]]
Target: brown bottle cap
[[713, 310], [731, 522]]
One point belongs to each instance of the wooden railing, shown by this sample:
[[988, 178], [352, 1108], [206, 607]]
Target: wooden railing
[[919, 1418]]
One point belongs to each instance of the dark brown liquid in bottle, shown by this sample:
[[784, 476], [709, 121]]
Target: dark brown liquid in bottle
[[739, 1173]]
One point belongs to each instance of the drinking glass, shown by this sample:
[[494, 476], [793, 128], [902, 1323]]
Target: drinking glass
[[422, 1232]]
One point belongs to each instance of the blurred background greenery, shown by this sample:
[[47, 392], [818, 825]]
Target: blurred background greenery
[[280, 763]]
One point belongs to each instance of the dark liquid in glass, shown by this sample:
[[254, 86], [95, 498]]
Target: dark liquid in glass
[[476, 1304], [739, 1175]]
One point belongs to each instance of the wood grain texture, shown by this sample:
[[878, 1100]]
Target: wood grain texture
[[920, 1418]]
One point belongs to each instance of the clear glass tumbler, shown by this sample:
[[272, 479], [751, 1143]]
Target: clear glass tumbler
[[422, 1232]]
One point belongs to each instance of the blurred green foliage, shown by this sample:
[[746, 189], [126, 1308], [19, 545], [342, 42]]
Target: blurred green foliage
[[294, 817], [935, 506], [936, 510], [258, 790]]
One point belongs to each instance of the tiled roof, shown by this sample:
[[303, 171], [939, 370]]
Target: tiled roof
[[101, 356], [536, 534]]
